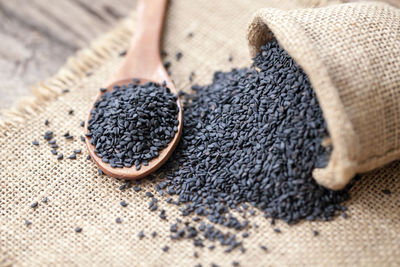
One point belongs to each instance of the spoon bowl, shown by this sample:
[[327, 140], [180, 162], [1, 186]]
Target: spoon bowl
[[142, 62], [154, 164]]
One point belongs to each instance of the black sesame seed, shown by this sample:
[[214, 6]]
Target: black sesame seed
[[70, 112], [196, 254], [44, 200], [60, 156], [141, 234], [167, 65], [123, 203], [123, 53], [34, 204], [88, 157], [82, 124], [136, 188], [72, 156], [315, 233], [149, 194], [192, 74], [165, 248], [277, 230], [190, 35], [153, 234], [77, 151], [178, 56], [82, 138], [36, 143], [386, 192], [235, 263], [27, 223], [263, 247], [78, 229], [118, 220], [53, 152], [46, 122]]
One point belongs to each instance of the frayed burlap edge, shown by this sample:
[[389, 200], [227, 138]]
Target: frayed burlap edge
[[343, 164], [75, 68]]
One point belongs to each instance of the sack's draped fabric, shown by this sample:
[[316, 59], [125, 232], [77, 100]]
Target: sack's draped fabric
[[352, 55], [79, 197]]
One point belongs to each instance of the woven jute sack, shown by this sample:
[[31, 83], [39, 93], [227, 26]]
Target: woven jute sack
[[79, 197], [351, 53]]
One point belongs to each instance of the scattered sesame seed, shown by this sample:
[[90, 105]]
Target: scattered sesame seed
[[141, 235], [386, 192]]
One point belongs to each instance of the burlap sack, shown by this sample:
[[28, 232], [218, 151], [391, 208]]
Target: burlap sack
[[351, 53], [78, 196]]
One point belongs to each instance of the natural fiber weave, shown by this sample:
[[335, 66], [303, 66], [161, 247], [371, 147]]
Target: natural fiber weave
[[78, 196], [352, 55]]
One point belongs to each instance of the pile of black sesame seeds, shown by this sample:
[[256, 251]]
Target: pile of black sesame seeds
[[250, 142], [253, 136], [131, 124]]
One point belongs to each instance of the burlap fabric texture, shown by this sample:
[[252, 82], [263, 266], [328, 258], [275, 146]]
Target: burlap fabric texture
[[78, 196], [352, 55]]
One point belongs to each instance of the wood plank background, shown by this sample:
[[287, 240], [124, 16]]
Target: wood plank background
[[38, 35]]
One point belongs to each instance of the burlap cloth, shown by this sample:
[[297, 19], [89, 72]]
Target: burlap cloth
[[78, 196]]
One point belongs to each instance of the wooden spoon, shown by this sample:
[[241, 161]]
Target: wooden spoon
[[142, 62]]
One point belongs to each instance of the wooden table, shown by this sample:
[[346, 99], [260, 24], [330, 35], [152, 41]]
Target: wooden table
[[38, 35]]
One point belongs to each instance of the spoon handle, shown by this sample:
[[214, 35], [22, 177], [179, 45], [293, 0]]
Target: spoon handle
[[143, 57]]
